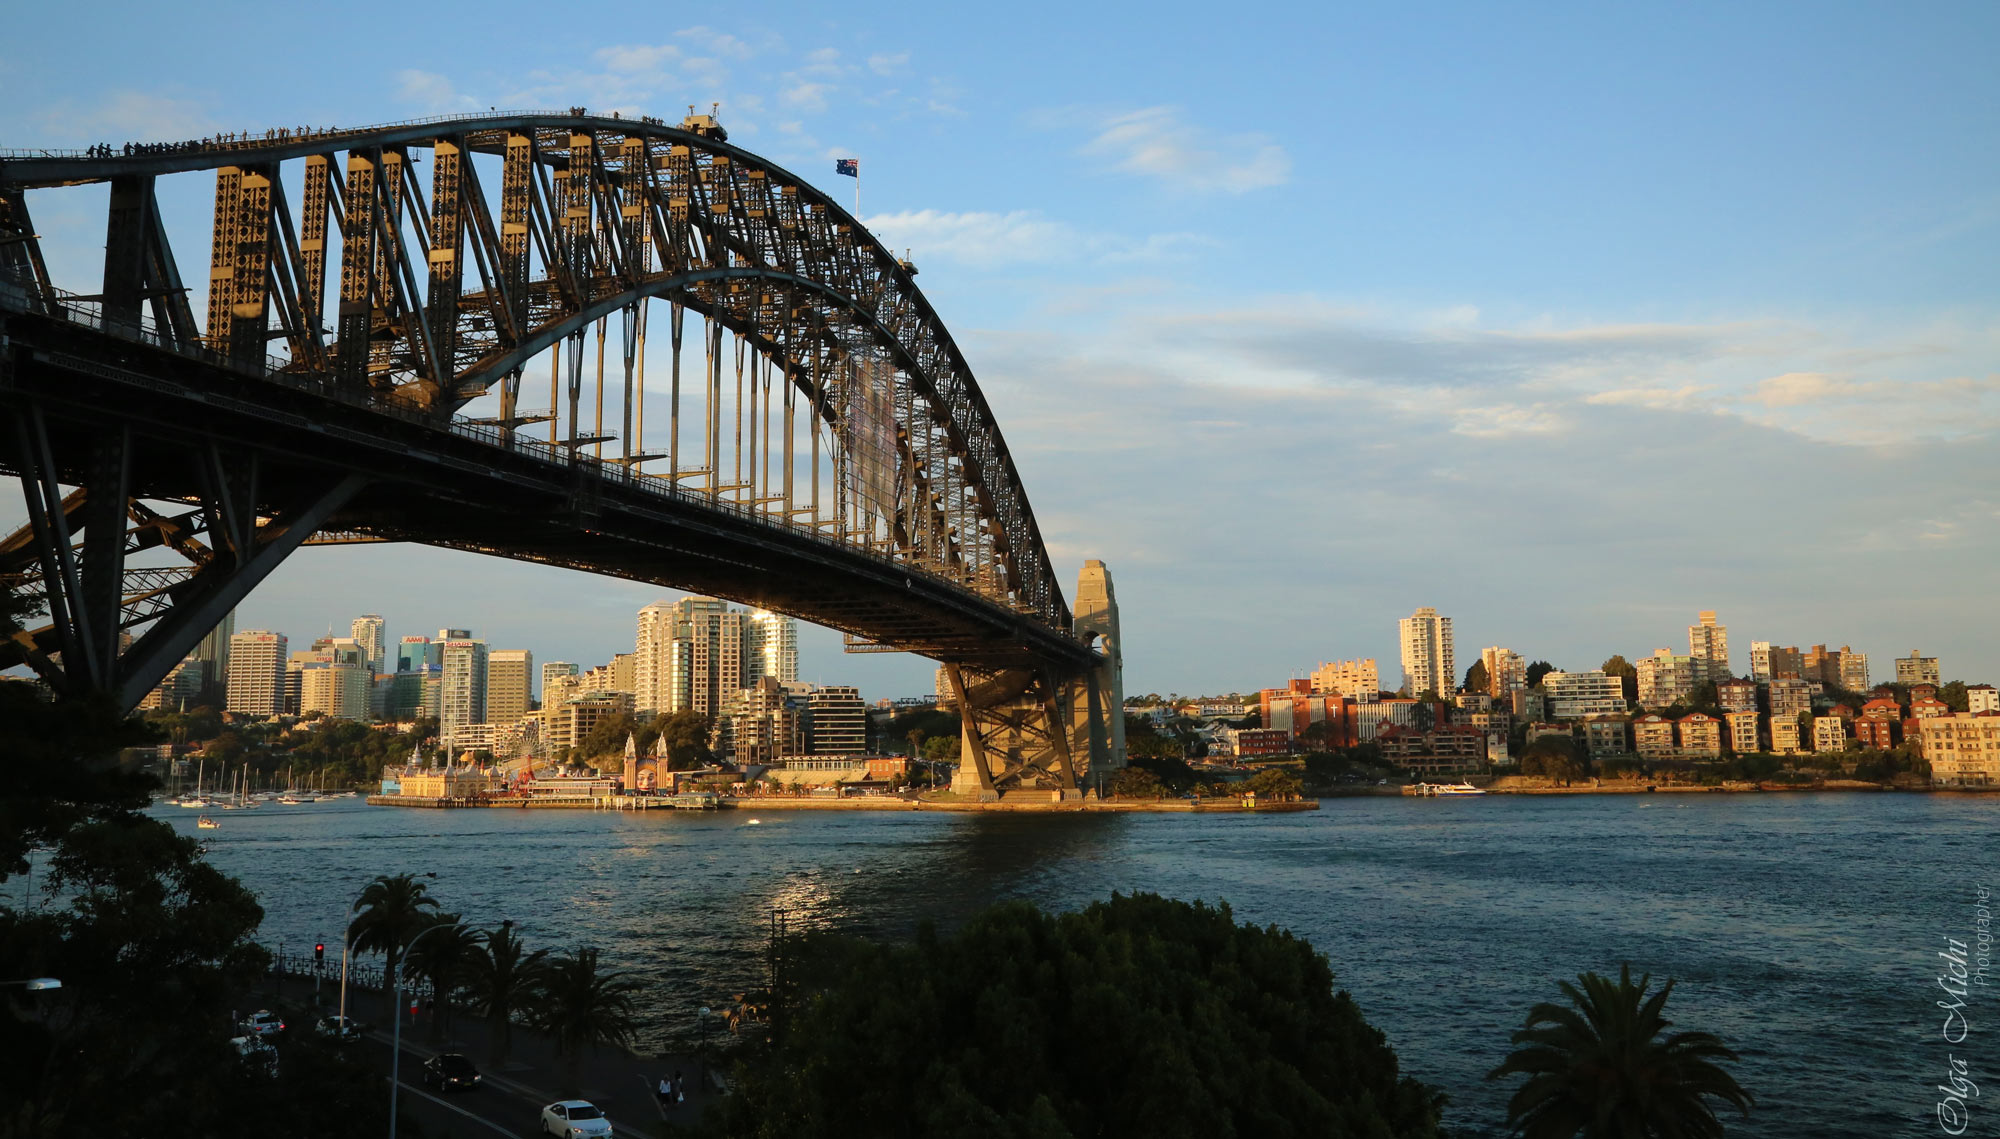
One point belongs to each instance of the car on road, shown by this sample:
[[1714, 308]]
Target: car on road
[[263, 1022], [340, 1028], [574, 1119], [450, 1072], [257, 1053]]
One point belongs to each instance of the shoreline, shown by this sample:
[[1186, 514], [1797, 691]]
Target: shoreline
[[884, 803]]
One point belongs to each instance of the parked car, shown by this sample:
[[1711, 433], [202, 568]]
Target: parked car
[[341, 1028], [257, 1053], [574, 1119], [450, 1072], [263, 1022]]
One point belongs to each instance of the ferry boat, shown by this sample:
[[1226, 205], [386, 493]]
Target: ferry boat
[[207, 824], [1459, 788]]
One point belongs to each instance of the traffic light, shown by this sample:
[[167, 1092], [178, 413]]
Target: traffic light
[[319, 953]]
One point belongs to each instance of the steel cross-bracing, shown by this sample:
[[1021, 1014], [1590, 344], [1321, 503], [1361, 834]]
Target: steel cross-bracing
[[379, 308]]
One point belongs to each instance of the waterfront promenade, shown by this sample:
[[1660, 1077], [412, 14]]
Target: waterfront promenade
[[1013, 803]]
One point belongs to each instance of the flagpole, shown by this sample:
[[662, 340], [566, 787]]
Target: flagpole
[[857, 191]]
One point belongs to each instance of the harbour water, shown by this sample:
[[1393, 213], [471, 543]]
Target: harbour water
[[1802, 928]]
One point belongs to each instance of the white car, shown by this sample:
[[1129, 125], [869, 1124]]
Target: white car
[[574, 1119], [263, 1022]]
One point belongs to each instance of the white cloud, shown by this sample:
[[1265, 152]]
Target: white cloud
[[807, 97], [638, 57], [1156, 142], [121, 116], [432, 92], [717, 43], [883, 63], [983, 239]]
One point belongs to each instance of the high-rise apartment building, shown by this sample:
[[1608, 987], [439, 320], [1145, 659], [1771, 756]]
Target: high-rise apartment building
[[1914, 669], [1760, 661], [1505, 671], [1843, 667], [509, 673], [558, 682], [462, 700], [772, 647], [372, 636], [257, 672], [839, 721], [1666, 678], [1709, 641], [1357, 680], [690, 656], [758, 723], [1428, 663], [1579, 695]]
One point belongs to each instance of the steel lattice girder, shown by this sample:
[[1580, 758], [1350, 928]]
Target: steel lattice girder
[[618, 209]]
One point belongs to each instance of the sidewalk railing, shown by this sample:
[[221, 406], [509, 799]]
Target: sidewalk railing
[[359, 976]]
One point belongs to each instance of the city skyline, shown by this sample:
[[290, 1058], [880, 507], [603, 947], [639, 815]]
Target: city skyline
[[1519, 304]]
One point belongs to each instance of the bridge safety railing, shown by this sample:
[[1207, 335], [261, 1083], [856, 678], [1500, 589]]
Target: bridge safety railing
[[241, 140], [23, 294]]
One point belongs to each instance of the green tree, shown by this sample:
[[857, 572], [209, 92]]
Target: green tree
[[1626, 672], [684, 737], [390, 911], [583, 1007], [446, 958], [1274, 783], [1600, 1068], [1557, 757], [1954, 696], [1476, 679], [1136, 783], [1538, 670], [504, 979], [1139, 1016]]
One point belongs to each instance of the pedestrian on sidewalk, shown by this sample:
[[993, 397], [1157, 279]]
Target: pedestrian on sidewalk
[[680, 1087], [665, 1092]]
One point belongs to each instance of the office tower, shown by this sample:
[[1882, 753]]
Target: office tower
[[1428, 663], [413, 653], [839, 721], [333, 679], [773, 648], [1505, 671], [508, 676], [257, 672], [370, 634], [1708, 641], [213, 655], [462, 698]]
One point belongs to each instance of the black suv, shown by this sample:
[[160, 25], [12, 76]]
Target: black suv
[[450, 1072]]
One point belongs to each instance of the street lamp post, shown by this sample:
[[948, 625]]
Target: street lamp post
[[396, 1052], [701, 1046]]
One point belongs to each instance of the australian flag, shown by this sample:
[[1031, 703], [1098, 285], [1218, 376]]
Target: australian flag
[[848, 166]]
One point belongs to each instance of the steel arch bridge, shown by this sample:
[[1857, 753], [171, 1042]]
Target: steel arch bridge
[[367, 368]]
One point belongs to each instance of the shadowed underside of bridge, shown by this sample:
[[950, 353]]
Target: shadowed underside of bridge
[[817, 445]]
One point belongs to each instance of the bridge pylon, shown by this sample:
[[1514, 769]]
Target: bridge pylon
[[1040, 733]]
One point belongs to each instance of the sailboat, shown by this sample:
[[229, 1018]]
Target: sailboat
[[196, 800]]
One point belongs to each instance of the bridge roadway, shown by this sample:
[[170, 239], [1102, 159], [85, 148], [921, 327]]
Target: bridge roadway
[[468, 486]]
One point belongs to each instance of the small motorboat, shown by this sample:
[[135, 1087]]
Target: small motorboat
[[207, 824]]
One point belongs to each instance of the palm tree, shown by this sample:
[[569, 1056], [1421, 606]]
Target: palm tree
[[1600, 1069], [582, 1007], [389, 912], [503, 980], [445, 957]]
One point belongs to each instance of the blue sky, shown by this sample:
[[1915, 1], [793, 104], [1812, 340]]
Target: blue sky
[[1569, 320]]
